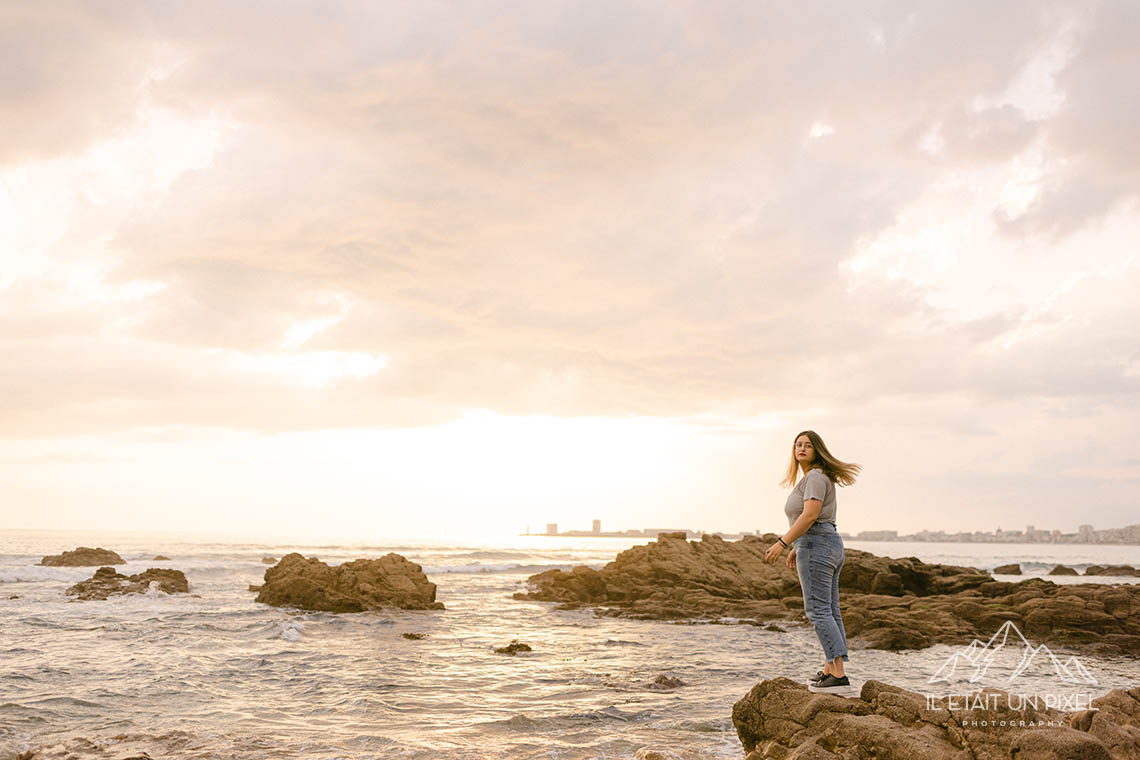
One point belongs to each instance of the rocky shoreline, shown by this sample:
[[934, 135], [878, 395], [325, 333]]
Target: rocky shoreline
[[780, 719], [888, 603]]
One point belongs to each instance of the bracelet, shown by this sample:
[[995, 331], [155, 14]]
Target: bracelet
[[781, 540]]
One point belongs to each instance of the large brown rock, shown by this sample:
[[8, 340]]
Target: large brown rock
[[84, 556], [106, 582], [1063, 570], [887, 603], [1120, 570], [782, 719], [1011, 569], [1115, 721], [363, 584]]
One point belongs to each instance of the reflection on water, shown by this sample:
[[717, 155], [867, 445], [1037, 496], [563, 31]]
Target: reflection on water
[[217, 674]]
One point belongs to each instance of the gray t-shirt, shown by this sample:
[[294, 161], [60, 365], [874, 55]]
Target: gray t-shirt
[[813, 485]]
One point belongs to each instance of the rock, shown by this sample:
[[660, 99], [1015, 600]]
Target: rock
[[1014, 569], [514, 648], [1115, 721], [13, 596], [887, 603], [1063, 570], [414, 636], [106, 582], [363, 584], [269, 560], [665, 683], [1121, 570], [650, 753], [254, 587], [84, 556], [780, 717], [160, 558]]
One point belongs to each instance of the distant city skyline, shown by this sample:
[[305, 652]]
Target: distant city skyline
[[1085, 534]]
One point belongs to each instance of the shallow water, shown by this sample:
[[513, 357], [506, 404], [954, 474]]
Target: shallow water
[[217, 674]]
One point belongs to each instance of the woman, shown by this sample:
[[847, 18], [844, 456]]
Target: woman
[[816, 549]]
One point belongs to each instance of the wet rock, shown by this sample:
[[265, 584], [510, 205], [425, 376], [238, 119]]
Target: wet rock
[[780, 717], [160, 558], [254, 587], [651, 753], [106, 582], [1118, 570], [84, 556], [887, 603], [1013, 569], [665, 683], [269, 560], [363, 584], [14, 596], [514, 648], [1063, 570], [414, 636]]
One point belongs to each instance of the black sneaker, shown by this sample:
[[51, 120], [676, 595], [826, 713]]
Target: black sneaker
[[819, 674], [829, 684]]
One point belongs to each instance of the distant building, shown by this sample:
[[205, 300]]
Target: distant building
[[597, 526], [1085, 534], [877, 535], [552, 529]]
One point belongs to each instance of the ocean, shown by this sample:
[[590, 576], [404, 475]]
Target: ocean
[[214, 674]]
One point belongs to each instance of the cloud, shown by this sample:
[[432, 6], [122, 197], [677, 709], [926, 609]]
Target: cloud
[[1094, 168], [71, 75], [600, 209]]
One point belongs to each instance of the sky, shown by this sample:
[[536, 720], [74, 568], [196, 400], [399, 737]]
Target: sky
[[381, 269]]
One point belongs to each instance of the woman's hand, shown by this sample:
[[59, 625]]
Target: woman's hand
[[774, 552], [792, 559]]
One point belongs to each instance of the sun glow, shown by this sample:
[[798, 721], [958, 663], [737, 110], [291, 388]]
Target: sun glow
[[480, 474]]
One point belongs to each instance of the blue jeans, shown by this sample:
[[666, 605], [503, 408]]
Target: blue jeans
[[819, 557]]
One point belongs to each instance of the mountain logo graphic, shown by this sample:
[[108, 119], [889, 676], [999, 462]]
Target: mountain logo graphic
[[980, 656]]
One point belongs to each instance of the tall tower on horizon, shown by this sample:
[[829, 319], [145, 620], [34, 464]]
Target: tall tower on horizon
[[597, 527]]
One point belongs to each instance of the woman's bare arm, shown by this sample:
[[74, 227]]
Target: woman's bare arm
[[804, 521]]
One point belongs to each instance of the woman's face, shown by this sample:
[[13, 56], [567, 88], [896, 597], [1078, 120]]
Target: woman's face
[[804, 451]]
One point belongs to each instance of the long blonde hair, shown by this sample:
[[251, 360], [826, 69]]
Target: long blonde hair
[[839, 472]]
